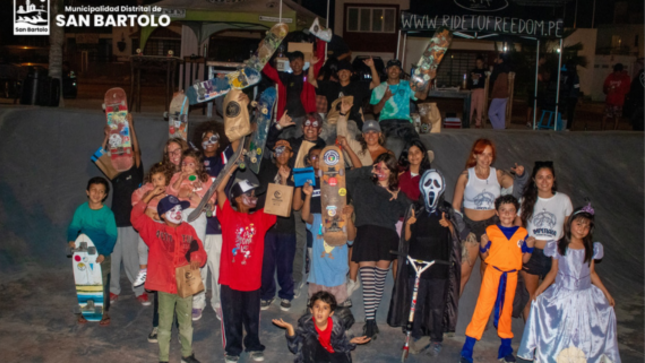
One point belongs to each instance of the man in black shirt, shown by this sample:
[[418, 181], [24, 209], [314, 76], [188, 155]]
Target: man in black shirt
[[338, 48], [311, 129]]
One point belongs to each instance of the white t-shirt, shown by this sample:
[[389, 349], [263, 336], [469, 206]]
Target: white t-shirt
[[547, 221]]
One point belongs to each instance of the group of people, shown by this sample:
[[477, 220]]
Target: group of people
[[394, 204]]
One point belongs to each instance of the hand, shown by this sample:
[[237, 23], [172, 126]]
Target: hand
[[151, 213], [537, 293], [345, 107], [194, 265], [242, 98], [518, 170], [284, 172], [100, 259], [360, 340], [412, 219], [184, 175], [342, 141], [387, 95], [395, 193], [130, 119], [610, 300], [314, 60], [285, 121], [530, 242], [444, 222], [106, 131], [348, 210], [71, 244], [308, 189], [283, 324], [157, 191], [369, 62]]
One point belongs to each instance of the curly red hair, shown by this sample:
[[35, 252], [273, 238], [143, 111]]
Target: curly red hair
[[478, 147]]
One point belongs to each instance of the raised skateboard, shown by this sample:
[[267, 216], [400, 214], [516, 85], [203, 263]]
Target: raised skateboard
[[264, 114], [430, 59], [178, 116], [207, 90], [88, 279], [244, 77], [115, 105], [268, 46], [319, 32], [333, 196]]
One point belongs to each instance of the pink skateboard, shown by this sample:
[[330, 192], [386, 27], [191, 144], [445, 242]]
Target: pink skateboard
[[119, 143]]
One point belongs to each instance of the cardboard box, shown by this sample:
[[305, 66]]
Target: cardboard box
[[278, 200], [306, 48]]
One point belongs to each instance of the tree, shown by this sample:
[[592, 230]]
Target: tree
[[56, 42]]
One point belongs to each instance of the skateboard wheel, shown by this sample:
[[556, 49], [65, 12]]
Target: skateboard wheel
[[103, 106], [91, 250], [254, 160], [165, 115], [254, 104], [341, 172]]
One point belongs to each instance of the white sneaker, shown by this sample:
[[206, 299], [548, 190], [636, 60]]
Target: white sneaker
[[352, 286], [141, 278]]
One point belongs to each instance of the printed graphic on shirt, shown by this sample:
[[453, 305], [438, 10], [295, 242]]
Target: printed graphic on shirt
[[485, 200], [544, 223], [327, 251], [169, 242], [243, 241]]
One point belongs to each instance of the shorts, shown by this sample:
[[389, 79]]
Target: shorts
[[477, 228], [374, 243], [539, 264], [613, 111]]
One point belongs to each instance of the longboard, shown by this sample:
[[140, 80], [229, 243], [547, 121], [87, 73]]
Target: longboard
[[88, 279], [430, 59], [268, 46], [119, 143], [264, 114], [207, 90], [333, 196], [178, 116]]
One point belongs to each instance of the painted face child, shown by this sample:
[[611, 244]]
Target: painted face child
[[313, 159]]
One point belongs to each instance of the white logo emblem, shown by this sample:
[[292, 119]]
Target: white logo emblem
[[31, 17]]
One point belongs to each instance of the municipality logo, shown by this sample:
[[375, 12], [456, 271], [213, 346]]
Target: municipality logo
[[31, 17]]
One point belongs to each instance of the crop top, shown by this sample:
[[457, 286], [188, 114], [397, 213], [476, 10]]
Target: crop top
[[481, 194]]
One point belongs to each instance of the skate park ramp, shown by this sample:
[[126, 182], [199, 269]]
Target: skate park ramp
[[45, 164]]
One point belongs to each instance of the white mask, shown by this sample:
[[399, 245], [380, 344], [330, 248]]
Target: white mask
[[173, 215], [432, 186]]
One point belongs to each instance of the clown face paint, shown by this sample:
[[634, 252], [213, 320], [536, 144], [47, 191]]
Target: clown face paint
[[249, 199], [432, 186], [209, 142], [173, 215], [382, 172]]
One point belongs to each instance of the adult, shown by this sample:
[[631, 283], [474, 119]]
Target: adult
[[391, 100], [338, 49], [543, 213], [360, 90], [172, 151], [477, 82], [572, 90], [378, 205], [499, 94], [369, 144], [616, 86], [635, 101], [477, 188]]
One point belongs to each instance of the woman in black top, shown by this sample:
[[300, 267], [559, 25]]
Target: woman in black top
[[378, 205]]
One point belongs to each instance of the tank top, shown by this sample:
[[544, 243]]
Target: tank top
[[481, 194]]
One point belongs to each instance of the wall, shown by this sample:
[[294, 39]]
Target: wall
[[588, 39]]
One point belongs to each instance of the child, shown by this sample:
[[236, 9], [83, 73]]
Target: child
[[504, 249], [96, 221], [172, 244], [240, 272], [320, 336], [576, 315]]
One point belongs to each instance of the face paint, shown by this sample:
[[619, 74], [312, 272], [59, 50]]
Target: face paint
[[312, 123], [214, 139], [432, 186], [382, 172], [279, 150], [249, 199], [173, 215]]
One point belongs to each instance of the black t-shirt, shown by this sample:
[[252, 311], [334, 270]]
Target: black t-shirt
[[477, 78], [213, 165], [430, 241], [314, 206], [267, 174], [333, 90], [294, 84], [337, 46], [123, 185]]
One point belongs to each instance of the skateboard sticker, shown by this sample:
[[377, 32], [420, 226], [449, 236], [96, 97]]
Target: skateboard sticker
[[332, 182], [331, 157], [259, 151], [331, 210], [342, 192], [81, 266]]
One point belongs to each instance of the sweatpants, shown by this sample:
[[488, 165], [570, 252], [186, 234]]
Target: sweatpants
[[486, 302], [126, 252], [213, 249], [431, 295], [168, 304], [279, 250], [301, 247], [477, 100], [240, 312], [497, 113]]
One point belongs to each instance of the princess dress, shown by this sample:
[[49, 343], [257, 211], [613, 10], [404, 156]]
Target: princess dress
[[572, 320]]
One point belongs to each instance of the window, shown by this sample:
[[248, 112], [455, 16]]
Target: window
[[371, 20]]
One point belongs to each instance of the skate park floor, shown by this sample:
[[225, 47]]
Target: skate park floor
[[44, 154]]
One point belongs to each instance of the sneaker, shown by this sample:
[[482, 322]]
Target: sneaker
[[197, 314], [352, 286], [418, 346], [113, 298], [218, 312], [257, 356], [231, 358], [297, 289], [509, 358], [152, 337], [143, 299], [435, 349], [285, 305], [189, 359], [141, 278], [265, 304]]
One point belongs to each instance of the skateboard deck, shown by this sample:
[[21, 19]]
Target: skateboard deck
[[268, 46], [207, 90], [430, 59], [178, 116], [88, 279], [319, 32], [333, 196], [244, 77], [119, 143], [264, 114]]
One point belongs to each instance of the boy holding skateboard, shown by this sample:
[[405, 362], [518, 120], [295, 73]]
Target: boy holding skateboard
[[172, 244], [96, 220]]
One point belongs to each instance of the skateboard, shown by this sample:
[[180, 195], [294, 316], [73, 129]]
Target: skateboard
[[430, 59], [333, 196], [178, 116], [268, 46], [244, 77], [264, 114], [317, 30], [88, 279], [119, 143], [207, 90]]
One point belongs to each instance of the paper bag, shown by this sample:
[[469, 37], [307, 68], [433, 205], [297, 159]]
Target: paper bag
[[189, 282], [102, 160], [278, 200], [430, 118], [302, 153], [236, 116]]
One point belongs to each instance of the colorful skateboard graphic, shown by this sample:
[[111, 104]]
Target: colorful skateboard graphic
[[319, 32], [333, 196], [430, 59], [263, 120], [207, 90], [119, 143], [268, 46], [244, 77], [178, 116], [88, 279]]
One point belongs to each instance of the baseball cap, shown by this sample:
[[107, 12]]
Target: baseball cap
[[371, 125], [242, 187], [393, 62], [344, 65], [169, 203]]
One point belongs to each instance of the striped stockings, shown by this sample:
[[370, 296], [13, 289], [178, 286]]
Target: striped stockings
[[373, 279]]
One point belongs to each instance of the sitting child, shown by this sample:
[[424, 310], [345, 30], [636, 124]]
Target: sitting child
[[320, 336]]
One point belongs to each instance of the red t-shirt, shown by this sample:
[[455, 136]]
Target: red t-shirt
[[324, 336], [410, 185], [242, 247], [616, 86]]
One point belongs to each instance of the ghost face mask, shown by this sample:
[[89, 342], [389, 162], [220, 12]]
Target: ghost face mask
[[173, 215], [432, 186]]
